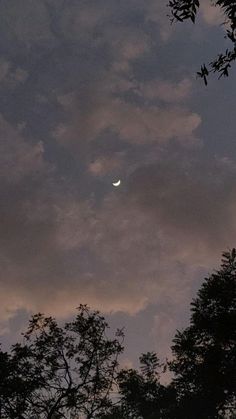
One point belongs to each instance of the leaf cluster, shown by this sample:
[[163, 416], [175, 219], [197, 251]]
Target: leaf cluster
[[182, 10]]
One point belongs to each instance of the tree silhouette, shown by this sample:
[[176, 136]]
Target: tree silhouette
[[142, 396], [204, 361], [72, 371], [205, 353], [141, 390], [60, 372], [182, 10]]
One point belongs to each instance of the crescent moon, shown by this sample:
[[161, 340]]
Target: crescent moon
[[117, 183]]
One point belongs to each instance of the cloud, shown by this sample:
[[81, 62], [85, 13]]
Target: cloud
[[153, 124], [11, 76], [148, 243], [18, 159], [132, 123], [121, 237], [90, 102], [25, 22], [164, 326], [166, 91], [190, 200], [59, 253], [211, 14], [80, 20], [4, 68], [157, 13], [101, 166], [127, 46]]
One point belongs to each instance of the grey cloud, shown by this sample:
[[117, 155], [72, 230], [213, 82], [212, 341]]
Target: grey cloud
[[192, 200], [142, 244], [18, 158], [132, 123], [127, 253], [4, 68], [59, 249], [84, 88], [25, 22], [166, 91], [11, 76]]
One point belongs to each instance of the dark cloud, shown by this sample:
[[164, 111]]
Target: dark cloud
[[191, 198], [136, 247], [84, 101]]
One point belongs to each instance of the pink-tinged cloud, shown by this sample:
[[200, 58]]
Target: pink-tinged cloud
[[90, 81], [166, 91], [106, 164], [153, 124], [211, 14], [144, 246], [132, 123]]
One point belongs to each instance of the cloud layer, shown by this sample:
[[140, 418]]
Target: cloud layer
[[89, 95]]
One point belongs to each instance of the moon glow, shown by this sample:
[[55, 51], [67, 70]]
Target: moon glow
[[116, 183]]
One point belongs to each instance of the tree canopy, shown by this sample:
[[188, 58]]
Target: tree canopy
[[182, 10], [60, 372], [203, 364], [72, 371], [205, 352]]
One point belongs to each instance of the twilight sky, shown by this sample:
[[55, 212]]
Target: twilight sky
[[90, 92]]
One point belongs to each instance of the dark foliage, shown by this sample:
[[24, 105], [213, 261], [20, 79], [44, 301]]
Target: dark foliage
[[72, 371], [205, 352], [60, 372], [182, 10], [141, 394], [204, 361]]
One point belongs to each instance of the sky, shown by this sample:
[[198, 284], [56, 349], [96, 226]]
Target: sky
[[92, 92]]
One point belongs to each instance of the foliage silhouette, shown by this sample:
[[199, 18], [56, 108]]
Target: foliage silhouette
[[204, 361], [72, 371], [142, 394], [205, 352], [182, 10], [60, 372]]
